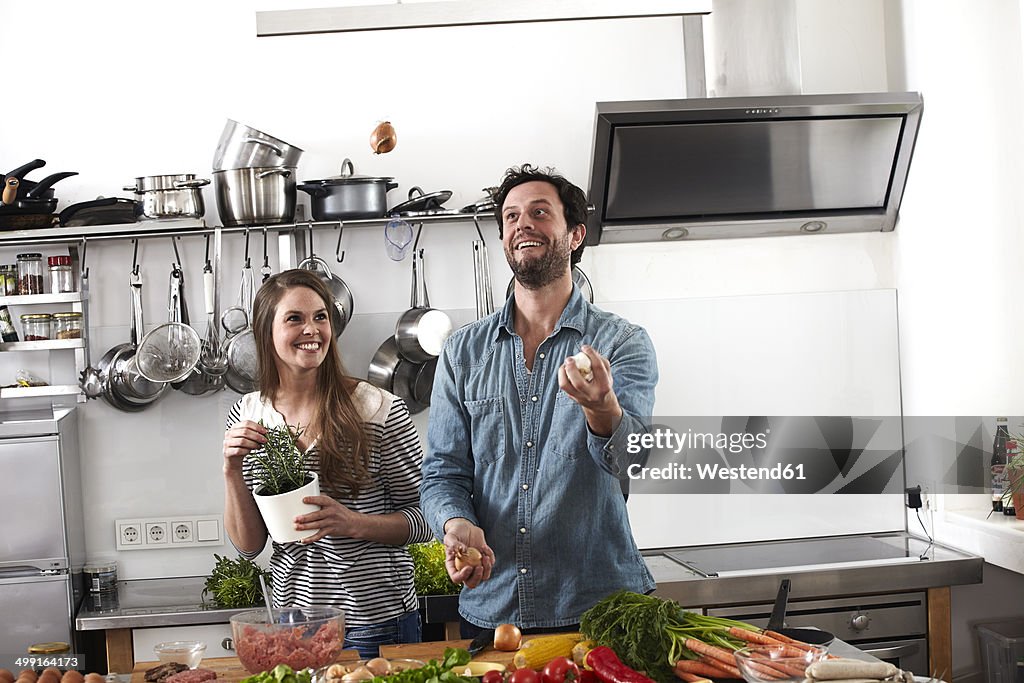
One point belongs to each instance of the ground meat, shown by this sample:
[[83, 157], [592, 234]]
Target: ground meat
[[262, 651], [192, 676], [160, 673]]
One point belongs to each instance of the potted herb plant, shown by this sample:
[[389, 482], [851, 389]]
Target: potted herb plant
[[284, 481], [1015, 477]]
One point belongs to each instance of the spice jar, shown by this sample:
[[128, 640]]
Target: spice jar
[[7, 331], [35, 326], [101, 577], [9, 279], [30, 273], [67, 325], [60, 274]]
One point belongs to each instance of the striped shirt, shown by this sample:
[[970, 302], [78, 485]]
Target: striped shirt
[[371, 581]]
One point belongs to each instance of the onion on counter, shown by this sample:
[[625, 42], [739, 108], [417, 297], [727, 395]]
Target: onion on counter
[[383, 138]]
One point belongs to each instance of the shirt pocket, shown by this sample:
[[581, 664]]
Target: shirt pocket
[[568, 429], [487, 427]]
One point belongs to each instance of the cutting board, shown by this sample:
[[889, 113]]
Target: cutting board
[[435, 650], [228, 669]]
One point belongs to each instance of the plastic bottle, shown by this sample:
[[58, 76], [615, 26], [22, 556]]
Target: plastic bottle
[[998, 464]]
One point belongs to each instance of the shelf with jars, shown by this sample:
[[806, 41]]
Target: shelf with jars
[[43, 309]]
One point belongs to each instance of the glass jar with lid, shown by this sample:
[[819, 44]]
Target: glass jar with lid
[[30, 273], [67, 325], [35, 326], [9, 279], [61, 280]]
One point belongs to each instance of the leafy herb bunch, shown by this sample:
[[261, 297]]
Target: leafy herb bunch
[[280, 466], [235, 583]]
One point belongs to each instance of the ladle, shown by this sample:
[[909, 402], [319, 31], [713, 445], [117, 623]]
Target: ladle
[[212, 360]]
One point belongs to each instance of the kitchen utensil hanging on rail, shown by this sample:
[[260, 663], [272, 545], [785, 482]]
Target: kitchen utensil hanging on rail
[[341, 312], [170, 352], [421, 331]]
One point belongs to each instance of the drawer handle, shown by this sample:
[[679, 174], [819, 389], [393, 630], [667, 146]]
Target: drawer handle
[[898, 651], [228, 644]]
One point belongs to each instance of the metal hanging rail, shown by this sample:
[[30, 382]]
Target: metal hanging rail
[[184, 228]]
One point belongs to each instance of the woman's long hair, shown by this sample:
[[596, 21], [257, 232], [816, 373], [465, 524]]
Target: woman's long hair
[[341, 442]]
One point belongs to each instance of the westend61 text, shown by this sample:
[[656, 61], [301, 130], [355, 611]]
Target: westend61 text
[[707, 472]]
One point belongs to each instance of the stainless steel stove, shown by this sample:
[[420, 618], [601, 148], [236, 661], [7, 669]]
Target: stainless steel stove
[[868, 589], [803, 554]]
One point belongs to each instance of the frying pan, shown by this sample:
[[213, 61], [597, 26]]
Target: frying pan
[[411, 381], [776, 622], [421, 331], [123, 386], [341, 312], [20, 172], [35, 201]]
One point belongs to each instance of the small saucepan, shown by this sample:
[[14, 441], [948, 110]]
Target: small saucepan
[[411, 381], [421, 331], [776, 622]]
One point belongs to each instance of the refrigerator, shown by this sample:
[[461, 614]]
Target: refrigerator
[[42, 536]]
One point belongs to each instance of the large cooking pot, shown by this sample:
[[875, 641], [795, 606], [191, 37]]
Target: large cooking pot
[[243, 146], [255, 196], [169, 196], [348, 196]]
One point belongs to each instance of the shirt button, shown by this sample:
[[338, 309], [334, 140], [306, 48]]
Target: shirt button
[[526, 487], [529, 444], [522, 529], [522, 570], [533, 398], [541, 355]]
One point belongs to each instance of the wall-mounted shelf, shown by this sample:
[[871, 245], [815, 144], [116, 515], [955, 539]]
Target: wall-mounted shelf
[[179, 227], [41, 392], [34, 299], [43, 345]]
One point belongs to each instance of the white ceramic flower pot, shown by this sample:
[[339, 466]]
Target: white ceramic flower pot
[[279, 512]]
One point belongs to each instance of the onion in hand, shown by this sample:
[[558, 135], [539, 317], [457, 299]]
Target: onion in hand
[[582, 361], [470, 557]]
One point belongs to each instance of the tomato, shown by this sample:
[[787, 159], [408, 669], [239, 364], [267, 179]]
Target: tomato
[[587, 676], [524, 676], [560, 670], [493, 676]]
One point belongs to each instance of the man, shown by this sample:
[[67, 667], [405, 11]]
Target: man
[[524, 455]]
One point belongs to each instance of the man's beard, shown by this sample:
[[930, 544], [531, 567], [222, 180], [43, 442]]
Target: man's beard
[[539, 272]]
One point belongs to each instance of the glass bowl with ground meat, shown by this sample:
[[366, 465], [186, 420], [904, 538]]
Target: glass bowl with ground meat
[[301, 637]]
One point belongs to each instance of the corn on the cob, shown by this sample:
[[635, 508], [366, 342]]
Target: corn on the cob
[[580, 650], [537, 652]]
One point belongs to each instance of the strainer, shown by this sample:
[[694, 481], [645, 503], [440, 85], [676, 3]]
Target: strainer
[[171, 351]]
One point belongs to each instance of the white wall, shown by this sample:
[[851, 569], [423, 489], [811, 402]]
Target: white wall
[[128, 89], [959, 238]]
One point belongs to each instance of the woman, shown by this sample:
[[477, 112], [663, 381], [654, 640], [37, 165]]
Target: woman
[[361, 442]]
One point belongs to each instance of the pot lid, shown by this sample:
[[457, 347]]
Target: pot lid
[[348, 177], [161, 182], [432, 202]]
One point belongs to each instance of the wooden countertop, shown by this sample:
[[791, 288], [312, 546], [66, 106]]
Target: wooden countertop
[[228, 669], [435, 650]]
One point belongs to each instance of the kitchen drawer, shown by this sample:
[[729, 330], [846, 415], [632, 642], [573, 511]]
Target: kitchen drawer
[[214, 635]]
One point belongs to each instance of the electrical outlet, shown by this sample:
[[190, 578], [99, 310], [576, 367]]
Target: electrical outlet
[[182, 532], [171, 531], [129, 533], [156, 533]]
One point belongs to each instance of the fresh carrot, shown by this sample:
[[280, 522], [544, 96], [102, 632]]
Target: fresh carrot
[[696, 666], [702, 648], [753, 637], [690, 678], [787, 640]]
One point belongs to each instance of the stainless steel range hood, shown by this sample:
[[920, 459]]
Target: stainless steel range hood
[[750, 166]]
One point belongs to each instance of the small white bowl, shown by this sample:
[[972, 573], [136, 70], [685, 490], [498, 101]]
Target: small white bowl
[[187, 652]]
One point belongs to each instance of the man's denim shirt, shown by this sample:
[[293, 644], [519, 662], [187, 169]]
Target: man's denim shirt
[[510, 451]]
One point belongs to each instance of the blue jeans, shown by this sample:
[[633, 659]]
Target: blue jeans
[[368, 639]]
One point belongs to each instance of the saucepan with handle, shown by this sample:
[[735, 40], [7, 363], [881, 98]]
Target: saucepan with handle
[[776, 622]]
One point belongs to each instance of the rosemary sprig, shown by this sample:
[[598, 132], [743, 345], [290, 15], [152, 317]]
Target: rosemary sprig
[[280, 466]]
